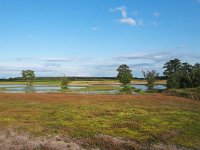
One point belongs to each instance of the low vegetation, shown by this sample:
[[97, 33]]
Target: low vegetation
[[190, 93], [150, 119], [93, 88]]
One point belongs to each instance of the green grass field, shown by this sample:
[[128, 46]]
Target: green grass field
[[147, 119]]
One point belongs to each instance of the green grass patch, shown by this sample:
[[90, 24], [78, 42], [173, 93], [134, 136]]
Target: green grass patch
[[93, 88]]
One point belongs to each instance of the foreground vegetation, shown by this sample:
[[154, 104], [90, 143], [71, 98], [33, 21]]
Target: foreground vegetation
[[191, 93], [145, 119]]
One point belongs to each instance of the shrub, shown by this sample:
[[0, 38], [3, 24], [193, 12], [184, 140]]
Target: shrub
[[65, 82], [150, 76], [127, 89], [137, 90]]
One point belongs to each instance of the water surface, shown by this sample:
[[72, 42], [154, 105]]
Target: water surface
[[20, 88]]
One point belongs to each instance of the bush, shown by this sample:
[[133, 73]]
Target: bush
[[127, 89], [65, 82], [137, 90]]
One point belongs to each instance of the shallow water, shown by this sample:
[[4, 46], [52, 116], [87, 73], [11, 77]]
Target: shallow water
[[145, 88], [19, 88], [11, 85]]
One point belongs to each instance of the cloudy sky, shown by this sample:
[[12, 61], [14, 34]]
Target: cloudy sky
[[93, 37]]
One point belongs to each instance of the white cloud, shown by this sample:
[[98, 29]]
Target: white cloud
[[59, 59], [159, 57], [123, 11], [101, 66], [156, 14], [128, 21], [125, 19]]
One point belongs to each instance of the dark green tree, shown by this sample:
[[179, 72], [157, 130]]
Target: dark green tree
[[171, 67], [182, 75], [28, 76], [124, 74], [186, 75], [195, 75], [151, 77], [173, 72]]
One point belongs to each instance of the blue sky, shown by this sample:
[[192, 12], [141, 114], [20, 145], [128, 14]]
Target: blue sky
[[93, 37]]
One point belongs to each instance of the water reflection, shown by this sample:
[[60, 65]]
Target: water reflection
[[18, 88], [29, 89], [15, 88], [145, 88]]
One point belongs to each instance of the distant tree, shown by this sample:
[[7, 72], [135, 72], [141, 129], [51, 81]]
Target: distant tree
[[195, 75], [151, 77], [172, 72], [124, 74], [185, 76], [171, 67], [182, 75], [28, 76], [65, 82]]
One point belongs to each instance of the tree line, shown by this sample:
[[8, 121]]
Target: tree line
[[176, 73], [182, 75]]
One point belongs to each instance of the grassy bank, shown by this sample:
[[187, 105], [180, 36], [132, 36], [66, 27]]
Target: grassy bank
[[191, 93], [147, 119]]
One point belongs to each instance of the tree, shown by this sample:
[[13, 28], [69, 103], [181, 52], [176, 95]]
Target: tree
[[65, 82], [182, 75], [150, 76], [124, 74], [172, 66], [185, 76], [195, 75], [172, 72], [28, 76]]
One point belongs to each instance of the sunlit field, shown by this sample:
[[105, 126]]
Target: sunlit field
[[147, 120]]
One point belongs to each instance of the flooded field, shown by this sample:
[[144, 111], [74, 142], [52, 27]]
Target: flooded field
[[21, 88]]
